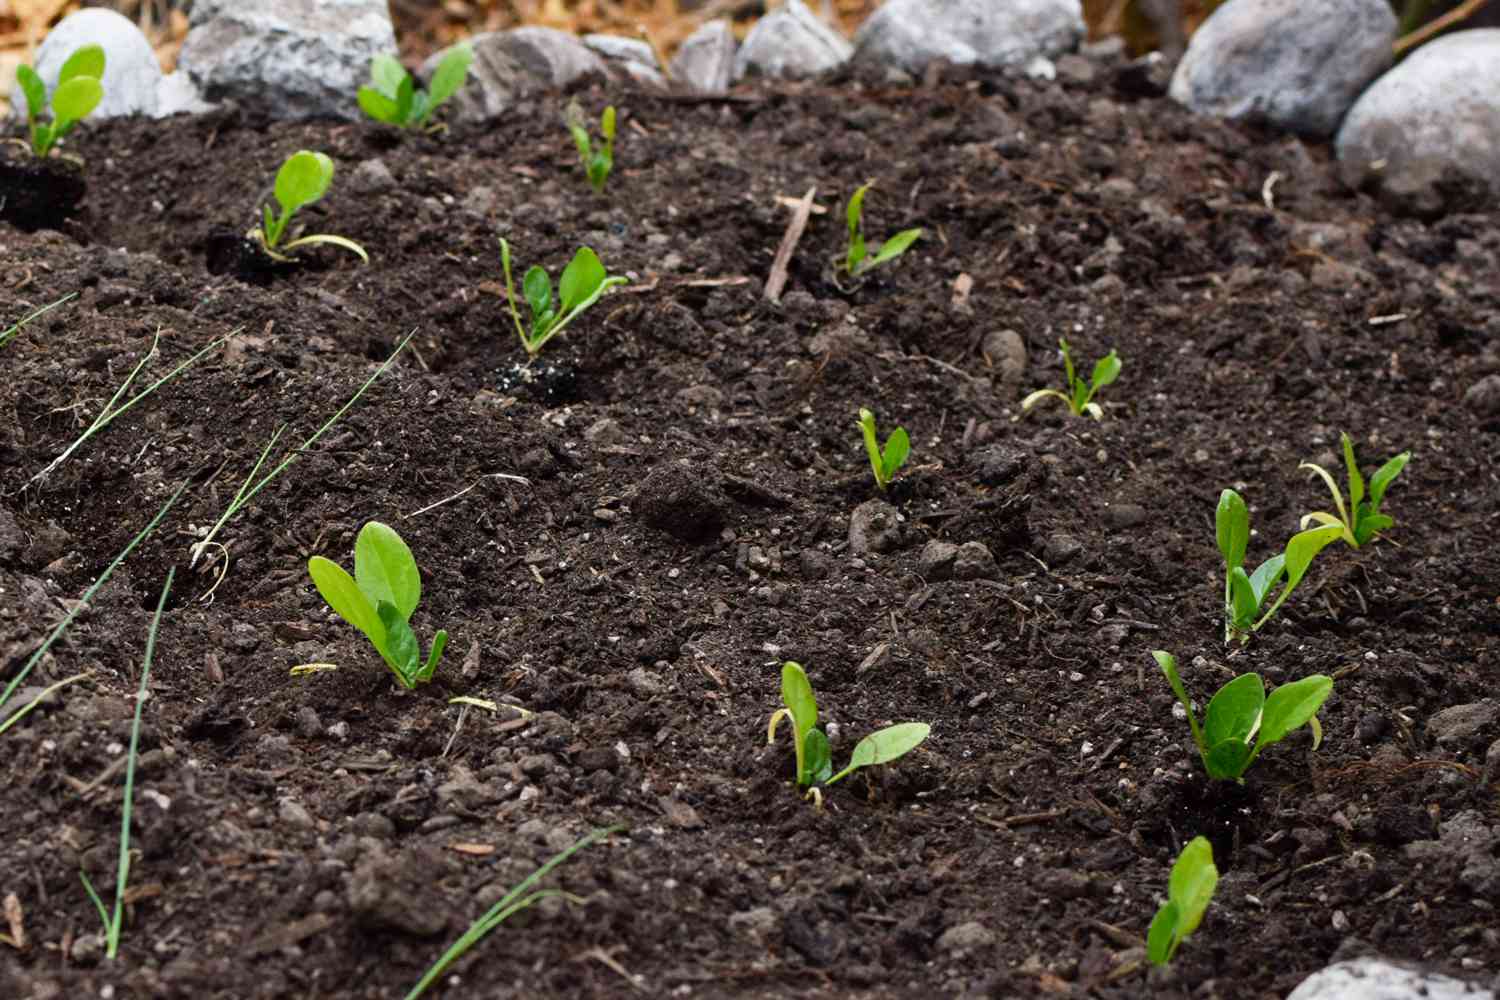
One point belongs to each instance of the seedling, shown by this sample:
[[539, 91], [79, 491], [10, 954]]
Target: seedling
[[857, 260], [884, 461], [379, 600], [598, 160], [1189, 889], [582, 284], [1080, 394], [9, 333], [393, 97], [814, 759], [77, 94], [303, 179], [1241, 712], [1245, 594], [1360, 519]]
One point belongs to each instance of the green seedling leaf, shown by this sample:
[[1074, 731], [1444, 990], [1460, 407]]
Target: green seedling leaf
[[302, 180], [1300, 552], [1292, 706], [884, 463], [1190, 888], [1356, 481], [401, 651], [584, 281], [387, 74], [819, 763], [452, 71], [897, 447], [1227, 761], [607, 123], [1383, 477], [439, 643], [74, 99], [537, 288], [884, 746], [1168, 664], [1079, 395], [378, 106], [598, 160], [385, 570], [1265, 577], [583, 276], [802, 709], [853, 213], [1234, 712], [1232, 527], [35, 90], [1360, 519], [87, 61], [895, 247], [343, 595]]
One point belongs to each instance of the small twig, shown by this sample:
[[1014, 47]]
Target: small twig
[[777, 278], [1437, 24], [493, 475]]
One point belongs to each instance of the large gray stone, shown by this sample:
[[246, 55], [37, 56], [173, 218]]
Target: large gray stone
[[510, 65], [1377, 979], [1288, 63], [629, 57], [705, 61], [910, 34], [789, 43], [131, 72], [1439, 109], [287, 58]]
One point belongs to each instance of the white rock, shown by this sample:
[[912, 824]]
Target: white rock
[[910, 34], [177, 94], [1377, 979], [131, 72], [1440, 107], [1292, 64], [705, 61], [791, 42], [287, 58]]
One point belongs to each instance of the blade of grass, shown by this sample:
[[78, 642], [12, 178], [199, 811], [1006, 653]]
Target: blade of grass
[[513, 902], [7, 335], [247, 491], [78, 608]]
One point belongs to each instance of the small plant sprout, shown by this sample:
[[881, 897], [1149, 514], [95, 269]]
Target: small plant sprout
[[598, 160], [303, 179], [1190, 887], [393, 98], [1080, 394], [1246, 593], [9, 333], [77, 94], [582, 284], [857, 260], [884, 462], [1241, 712], [379, 600], [1360, 519], [814, 759]]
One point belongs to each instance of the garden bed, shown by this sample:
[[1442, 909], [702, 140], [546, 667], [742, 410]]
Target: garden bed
[[328, 835]]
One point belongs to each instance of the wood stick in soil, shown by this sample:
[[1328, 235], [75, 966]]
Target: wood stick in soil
[[777, 278]]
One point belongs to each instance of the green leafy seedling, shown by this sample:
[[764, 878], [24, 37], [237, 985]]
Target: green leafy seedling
[[582, 284], [302, 180], [810, 744], [1241, 712], [379, 600], [1245, 594], [393, 98], [78, 93], [598, 160], [1080, 395], [1189, 890], [1360, 519], [857, 260], [884, 462]]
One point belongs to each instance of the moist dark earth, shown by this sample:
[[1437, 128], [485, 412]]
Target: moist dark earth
[[630, 553]]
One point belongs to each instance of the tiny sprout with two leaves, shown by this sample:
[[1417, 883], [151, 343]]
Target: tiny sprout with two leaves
[[884, 462], [393, 97], [379, 600], [1189, 889], [598, 160], [1241, 712], [1246, 593], [582, 284], [1080, 394], [857, 260], [303, 179], [1360, 519], [78, 93], [814, 759]]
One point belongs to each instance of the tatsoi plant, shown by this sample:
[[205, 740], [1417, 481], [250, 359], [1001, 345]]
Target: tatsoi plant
[[379, 600], [582, 284], [1189, 889], [1080, 394], [78, 93], [814, 759], [1241, 712], [392, 97], [303, 179], [598, 160], [1360, 519], [857, 260], [1246, 593], [884, 462]]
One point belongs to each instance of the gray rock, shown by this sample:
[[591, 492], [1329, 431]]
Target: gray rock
[[875, 526], [1465, 725], [1060, 548], [628, 57], [910, 34], [966, 937], [176, 94], [974, 561], [1295, 65], [1006, 351], [1124, 515], [1439, 109], [936, 561], [294, 815], [705, 60], [1483, 397], [131, 72], [1377, 979], [309, 726], [371, 177], [510, 65], [287, 58], [789, 43], [397, 893]]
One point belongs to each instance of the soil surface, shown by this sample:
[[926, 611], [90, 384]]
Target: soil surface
[[630, 553]]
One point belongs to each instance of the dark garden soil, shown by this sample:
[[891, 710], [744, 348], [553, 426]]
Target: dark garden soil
[[680, 527]]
